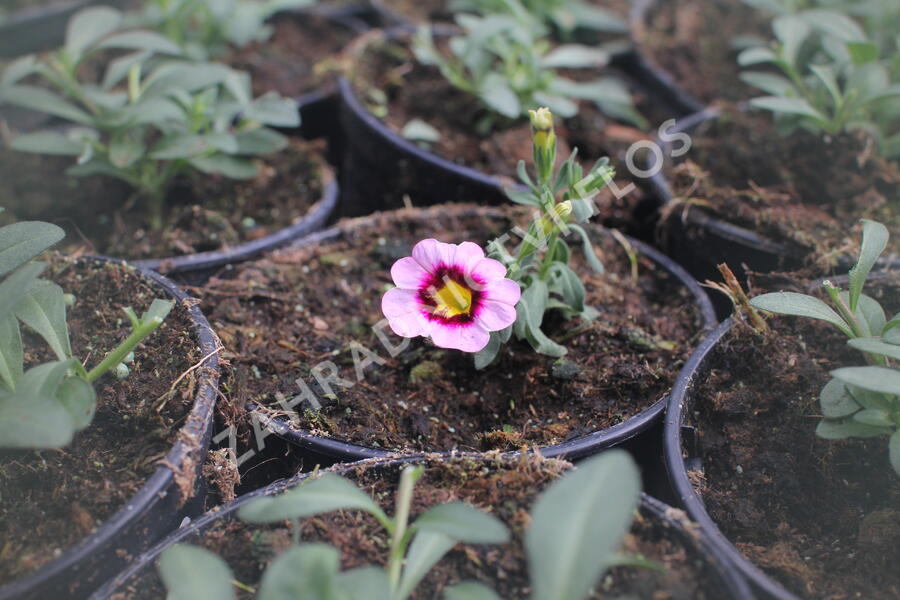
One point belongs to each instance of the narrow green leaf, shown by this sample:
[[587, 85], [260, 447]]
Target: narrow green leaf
[[470, 590], [47, 142], [88, 26], [44, 379], [229, 166], [463, 523], [770, 83], [320, 495], [77, 396], [20, 242], [874, 417], [192, 573], [569, 286], [791, 31], [524, 197], [145, 41], [874, 241], [18, 69], [44, 310], [874, 345], [272, 109], [839, 430], [755, 56], [39, 99], [486, 355], [308, 571], [574, 56], [872, 378], [426, 549], [584, 514], [863, 52], [30, 421], [14, 287], [259, 142], [11, 356], [495, 92], [791, 106], [365, 583], [126, 146], [800, 305], [587, 248], [836, 400]]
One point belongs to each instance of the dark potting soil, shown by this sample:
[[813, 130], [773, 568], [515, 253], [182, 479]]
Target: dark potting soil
[[279, 317], [204, 212], [506, 490], [396, 88], [802, 190], [821, 517], [694, 42], [300, 57], [53, 498]]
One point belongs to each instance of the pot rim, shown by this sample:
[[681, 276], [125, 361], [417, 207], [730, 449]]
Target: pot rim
[[197, 428], [317, 215], [579, 447], [667, 515]]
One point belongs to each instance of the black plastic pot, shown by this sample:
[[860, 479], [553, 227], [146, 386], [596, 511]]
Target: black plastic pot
[[326, 451], [170, 494], [677, 438], [728, 584], [197, 268]]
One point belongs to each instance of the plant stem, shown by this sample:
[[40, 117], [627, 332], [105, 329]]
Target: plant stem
[[118, 354], [401, 519], [843, 309]]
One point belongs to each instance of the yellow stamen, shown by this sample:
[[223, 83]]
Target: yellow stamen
[[452, 299]]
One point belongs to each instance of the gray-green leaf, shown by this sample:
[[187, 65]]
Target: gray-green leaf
[[20, 242], [836, 401], [192, 573], [800, 305], [44, 310], [426, 549], [470, 590], [463, 523], [308, 571], [874, 241]]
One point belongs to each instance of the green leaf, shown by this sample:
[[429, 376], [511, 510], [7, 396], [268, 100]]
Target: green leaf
[[272, 109], [11, 357], [365, 583], [117, 69], [874, 417], [426, 549], [486, 355], [835, 24], [463, 523], [791, 106], [890, 333], [584, 514], [828, 78], [863, 52], [180, 145], [308, 571], [44, 310], [874, 345], [873, 378], [229, 166], [14, 287], [18, 69], [89, 26], [145, 41], [47, 142], [836, 400], [259, 141], [320, 495], [192, 573], [30, 421], [574, 56], [39, 99], [22, 241], [542, 344], [45, 379], [569, 286], [524, 197], [770, 83], [800, 305], [126, 146], [791, 31], [77, 396], [838, 430], [587, 248], [874, 241], [495, 92], [894, 451], [755, 56], [420, 131], [470, 590], [868, 313]]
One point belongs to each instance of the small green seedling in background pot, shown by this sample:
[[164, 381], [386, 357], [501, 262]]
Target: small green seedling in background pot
[[503, 61], [862, 401], [565, 16], [149, 120], [207, 29], [46, 405], [577, 526]]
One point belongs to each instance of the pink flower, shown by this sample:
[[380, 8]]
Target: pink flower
[[452, 293]]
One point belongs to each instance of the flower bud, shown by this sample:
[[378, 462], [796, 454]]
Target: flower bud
[[555, 219], [544, 142]]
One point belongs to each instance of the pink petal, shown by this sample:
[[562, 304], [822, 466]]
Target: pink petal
[[467, 255], [506, 291], [408, 274], [410, 325], [488, 270], [431, 253], [468, 338], [495, 316]]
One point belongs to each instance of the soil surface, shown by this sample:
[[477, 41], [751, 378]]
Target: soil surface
[[299, 57], [396, 88], [821, 517], [694, 41], [802, 191], [506, 490], [280, 317], [204, 212], [53, 498]]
